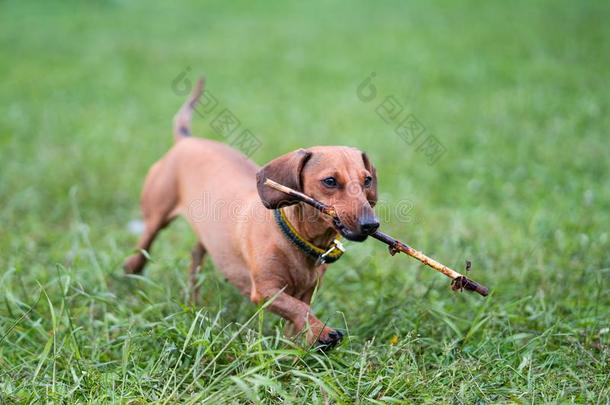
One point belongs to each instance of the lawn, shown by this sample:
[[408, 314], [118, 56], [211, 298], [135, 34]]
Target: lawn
[[506, 162]]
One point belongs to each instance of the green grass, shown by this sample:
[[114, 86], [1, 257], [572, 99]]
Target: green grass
[[516, 92]]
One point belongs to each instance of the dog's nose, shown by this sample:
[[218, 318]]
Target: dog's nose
[[368, 225]]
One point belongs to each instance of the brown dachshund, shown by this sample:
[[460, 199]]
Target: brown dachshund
[[267, 245]]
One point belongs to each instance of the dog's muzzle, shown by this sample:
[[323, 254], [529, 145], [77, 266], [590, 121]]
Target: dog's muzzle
[[355, 236]]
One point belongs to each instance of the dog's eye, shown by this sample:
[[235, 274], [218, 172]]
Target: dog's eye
[[330, 182], [368, 180]]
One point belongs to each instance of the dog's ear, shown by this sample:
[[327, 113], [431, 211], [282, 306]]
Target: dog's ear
[[285, 170], [371, 192]]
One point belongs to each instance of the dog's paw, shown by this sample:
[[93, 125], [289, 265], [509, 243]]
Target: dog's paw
[[329, 342], [134, 264]]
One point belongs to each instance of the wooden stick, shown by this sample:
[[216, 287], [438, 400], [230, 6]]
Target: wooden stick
[[459, 281]]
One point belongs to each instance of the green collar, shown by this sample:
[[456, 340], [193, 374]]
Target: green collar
[[329, 255]]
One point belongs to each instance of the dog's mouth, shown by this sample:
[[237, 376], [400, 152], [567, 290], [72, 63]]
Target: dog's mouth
[[348, 233]]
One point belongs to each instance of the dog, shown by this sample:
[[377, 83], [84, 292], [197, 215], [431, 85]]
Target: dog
[[268, 245]]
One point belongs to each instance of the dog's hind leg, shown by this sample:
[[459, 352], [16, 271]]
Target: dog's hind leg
[[197, 256], [159, 209], [136, 262]]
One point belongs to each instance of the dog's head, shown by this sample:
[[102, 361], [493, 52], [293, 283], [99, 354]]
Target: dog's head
[[339, 176]]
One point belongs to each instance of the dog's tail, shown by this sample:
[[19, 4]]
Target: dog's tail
[[182, 119]]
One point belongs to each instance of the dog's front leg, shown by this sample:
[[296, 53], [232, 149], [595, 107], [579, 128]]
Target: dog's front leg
[[299, 313]]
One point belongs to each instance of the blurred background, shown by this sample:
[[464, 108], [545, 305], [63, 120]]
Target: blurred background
[[488, 123]]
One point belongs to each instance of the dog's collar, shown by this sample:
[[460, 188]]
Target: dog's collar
[[329, 255]]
